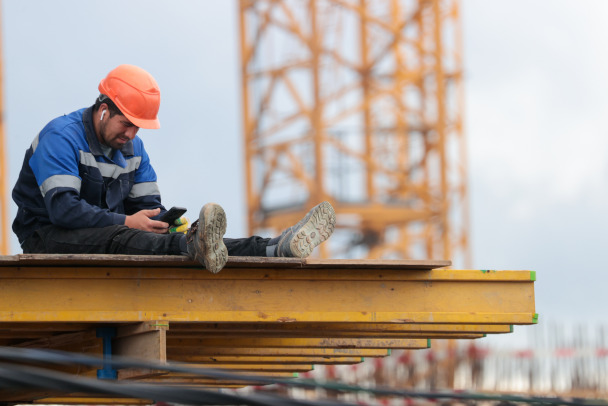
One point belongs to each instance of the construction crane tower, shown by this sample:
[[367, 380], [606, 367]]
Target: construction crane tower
[[358, 102], [4, 225]]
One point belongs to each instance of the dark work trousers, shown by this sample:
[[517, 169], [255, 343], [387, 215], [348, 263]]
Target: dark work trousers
[[120, 239]]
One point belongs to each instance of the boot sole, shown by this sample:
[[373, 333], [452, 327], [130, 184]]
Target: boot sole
[[317, 229], [213, 220]]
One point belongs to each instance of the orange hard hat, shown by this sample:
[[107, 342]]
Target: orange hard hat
[[135, 93]]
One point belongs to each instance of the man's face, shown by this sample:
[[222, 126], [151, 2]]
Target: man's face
[[116, 131]]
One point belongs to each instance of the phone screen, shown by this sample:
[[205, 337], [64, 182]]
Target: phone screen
[[172, 214]]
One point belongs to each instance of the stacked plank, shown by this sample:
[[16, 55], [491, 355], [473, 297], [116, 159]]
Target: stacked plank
[[272, 317]]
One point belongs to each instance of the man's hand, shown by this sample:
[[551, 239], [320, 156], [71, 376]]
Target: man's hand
[[141, 220]]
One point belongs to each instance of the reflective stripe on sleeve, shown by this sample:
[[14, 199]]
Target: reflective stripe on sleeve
[[144, 189], [35, 143], [60, 181]]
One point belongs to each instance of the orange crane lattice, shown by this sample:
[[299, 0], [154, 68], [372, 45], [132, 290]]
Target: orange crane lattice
[[4, 224], [358, 102]]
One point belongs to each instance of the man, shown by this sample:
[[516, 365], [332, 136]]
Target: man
[[87, 186]]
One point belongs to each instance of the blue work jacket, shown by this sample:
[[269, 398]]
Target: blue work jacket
[[66, 180]]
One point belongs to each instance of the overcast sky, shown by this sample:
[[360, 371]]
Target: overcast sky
[[536, 103]]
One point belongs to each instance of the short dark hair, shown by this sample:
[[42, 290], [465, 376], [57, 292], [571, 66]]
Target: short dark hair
[[111, 106]]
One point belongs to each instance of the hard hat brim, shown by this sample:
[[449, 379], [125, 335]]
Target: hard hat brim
[[141, 123]]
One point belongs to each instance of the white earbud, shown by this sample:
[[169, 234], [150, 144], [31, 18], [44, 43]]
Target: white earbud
[[102, 114]]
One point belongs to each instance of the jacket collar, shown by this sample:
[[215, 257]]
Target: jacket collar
[[87, 120]]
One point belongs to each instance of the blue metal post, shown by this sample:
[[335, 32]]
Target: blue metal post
[[106, 334]]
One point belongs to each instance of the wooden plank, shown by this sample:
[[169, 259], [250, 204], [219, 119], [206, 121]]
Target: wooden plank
[[329, 273], [177, 353], [84, 342], [177, 261], [128, 330], [376, 264], [246, 367], [15, 396], [179, 381], [50, 327], [260, 359], [78, 341], [12, 336], [144, 341], [83, 399], [327, 329], [325, 334], [255, 342]]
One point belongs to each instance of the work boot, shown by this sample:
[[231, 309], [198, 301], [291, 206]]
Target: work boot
[[316, 227], [205, 239]]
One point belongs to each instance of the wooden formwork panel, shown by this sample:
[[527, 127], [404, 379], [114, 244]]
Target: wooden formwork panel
[[270, 317]]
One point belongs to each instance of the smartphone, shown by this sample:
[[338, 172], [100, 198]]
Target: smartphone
[[172, 214]]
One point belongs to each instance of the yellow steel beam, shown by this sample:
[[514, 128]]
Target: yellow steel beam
[[314, 293]]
